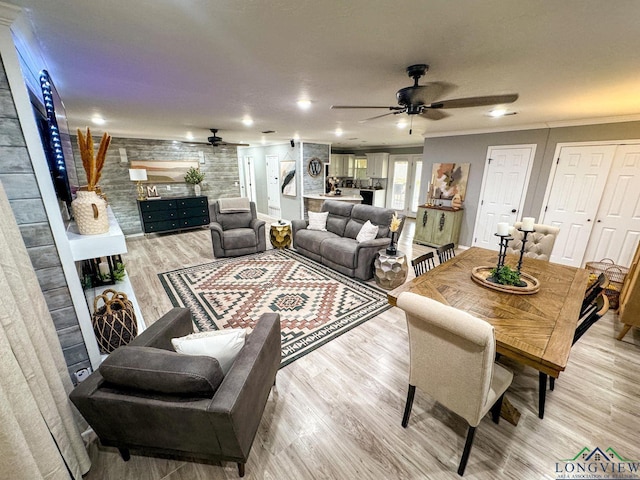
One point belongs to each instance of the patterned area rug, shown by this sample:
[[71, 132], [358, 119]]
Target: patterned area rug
[[316, 304]]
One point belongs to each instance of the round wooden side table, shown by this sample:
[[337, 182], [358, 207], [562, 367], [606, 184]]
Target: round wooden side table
[[280, 234], [390, 271]]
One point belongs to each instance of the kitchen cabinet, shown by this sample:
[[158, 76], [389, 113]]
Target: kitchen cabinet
[[342, 165], [377, 165], [437, 226]]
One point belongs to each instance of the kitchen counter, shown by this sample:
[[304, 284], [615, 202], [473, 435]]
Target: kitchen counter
[[313, 201]]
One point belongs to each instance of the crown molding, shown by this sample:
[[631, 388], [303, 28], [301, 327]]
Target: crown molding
[[8, 14], [533, 126]]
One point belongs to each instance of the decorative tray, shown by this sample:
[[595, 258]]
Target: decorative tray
[[480, 275]]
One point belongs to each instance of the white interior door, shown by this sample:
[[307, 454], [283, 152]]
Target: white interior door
[[577, 186], [249, 178], [504, 186], [273, 185], [616, 231], [405, 175]]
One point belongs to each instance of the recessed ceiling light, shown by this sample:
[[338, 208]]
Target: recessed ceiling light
[[401, 124], [189, 136], [498, 112], [263, 141], [98, 120], [304, 104], [338, 132], [247, 121], [296, 137]]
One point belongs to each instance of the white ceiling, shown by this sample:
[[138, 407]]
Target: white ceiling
[[162, 68]]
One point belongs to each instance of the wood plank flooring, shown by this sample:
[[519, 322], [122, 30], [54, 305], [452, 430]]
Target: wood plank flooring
[[335, 413]]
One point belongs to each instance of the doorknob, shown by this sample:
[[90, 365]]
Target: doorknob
[[588, 219], [599, 221], [513, 211]]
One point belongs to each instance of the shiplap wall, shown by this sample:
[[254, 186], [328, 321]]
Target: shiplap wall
[[220, 167], [18, 179]]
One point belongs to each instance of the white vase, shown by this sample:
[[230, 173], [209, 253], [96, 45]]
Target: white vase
[[196, 189], [90, 212]]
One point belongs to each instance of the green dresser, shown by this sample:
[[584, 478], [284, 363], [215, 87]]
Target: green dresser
[[176, 213], [437, 226]]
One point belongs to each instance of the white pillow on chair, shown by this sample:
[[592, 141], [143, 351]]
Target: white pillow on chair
[[369, 231], [223, 345], [318, 221]]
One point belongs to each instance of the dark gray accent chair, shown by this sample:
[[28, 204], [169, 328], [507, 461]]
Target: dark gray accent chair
[[337, 248], [236, 233], [150, 399]]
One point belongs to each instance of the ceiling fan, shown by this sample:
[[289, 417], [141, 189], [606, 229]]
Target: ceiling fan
[[217, 141], [423, 99]]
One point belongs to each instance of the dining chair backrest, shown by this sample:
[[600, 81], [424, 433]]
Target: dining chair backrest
[[593, 291], [539, 243], [423, 263], [451, 354], [592, 315], [446, 252]]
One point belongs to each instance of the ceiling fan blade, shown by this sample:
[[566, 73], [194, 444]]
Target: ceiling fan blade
[[475, 101], [230, 144], [334, 107], [434, 114], [378, 116]]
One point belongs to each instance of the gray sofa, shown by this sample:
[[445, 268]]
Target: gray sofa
[[147, 397], [337, 247]]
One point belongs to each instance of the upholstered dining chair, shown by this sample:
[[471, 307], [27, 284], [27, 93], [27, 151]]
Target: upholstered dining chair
[[446, 252], [423, 263], [235, 228], [451, 358], [539, 243]]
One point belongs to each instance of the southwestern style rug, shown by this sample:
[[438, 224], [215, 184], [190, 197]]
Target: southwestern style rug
[[316, 304]]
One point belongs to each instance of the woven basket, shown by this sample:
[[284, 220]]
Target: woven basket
[[616, 275], [114, 324]]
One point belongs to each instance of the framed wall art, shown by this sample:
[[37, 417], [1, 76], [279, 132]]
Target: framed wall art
[[164, 172], [450, 179], [288, 178]]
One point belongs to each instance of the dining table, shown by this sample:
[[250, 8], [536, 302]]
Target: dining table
[[535, 329]]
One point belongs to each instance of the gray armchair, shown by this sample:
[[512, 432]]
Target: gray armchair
[[148, 398], [236, 231]]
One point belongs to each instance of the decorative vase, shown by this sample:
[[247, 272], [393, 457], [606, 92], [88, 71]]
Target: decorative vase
[[391, 249], [196, 189], [90, 212]]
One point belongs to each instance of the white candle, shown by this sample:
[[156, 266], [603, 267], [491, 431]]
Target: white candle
[[103, 268], [527, 224], [503, 229]]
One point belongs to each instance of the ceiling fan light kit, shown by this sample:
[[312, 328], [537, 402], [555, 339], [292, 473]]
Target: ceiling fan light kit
[[424, 100]]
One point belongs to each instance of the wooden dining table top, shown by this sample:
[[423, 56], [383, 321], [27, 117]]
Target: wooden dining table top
[[537, 329]]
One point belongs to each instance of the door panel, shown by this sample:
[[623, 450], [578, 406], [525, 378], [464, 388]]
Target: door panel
[[616, 231], [273, 185], [578, 184], [503, 191]]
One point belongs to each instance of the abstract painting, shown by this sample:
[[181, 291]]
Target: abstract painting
[[288, 178], [164, 172], [449, 179]]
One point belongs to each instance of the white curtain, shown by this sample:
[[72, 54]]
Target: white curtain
[[38, 435]]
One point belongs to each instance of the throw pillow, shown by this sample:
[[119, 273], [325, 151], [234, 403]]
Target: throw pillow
[[369, 231], [161, 371], [318, 221], [223, 345]]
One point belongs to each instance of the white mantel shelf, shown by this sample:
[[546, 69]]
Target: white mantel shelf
[[84, 247]]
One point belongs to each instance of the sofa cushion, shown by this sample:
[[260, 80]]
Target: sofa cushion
[[318, 221], [367, 232], [161, 371], [339, 213], [311, 239], [223, 345], [377, 216], [340, 250], [231, 221]]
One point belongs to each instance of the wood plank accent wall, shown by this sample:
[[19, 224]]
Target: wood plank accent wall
[[220, 168], [18, 179]]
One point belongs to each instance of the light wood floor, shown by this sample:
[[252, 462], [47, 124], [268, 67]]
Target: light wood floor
[[335, 413]]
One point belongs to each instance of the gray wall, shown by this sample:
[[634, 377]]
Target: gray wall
[[220, 168], [473, 149], [18, 179]]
